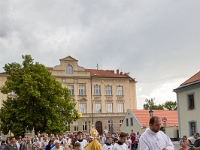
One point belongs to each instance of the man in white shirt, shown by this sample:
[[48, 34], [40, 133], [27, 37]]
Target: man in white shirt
[[81, 140], [120, 145], [153, 138]]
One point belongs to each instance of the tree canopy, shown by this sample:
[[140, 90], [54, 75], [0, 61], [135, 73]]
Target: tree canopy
[[39, 100], [150, 104]]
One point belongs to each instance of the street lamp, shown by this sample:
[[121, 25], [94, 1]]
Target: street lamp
[[151, 112], [111, 126]]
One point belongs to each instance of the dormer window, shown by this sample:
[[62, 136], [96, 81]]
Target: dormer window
[[69, 69]]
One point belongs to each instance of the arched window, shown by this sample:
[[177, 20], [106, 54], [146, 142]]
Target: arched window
[[69, 69]]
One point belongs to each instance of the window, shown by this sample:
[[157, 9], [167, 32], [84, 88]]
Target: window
[[120, 122], [108, 90], [68, 126], [109, 108], [97, 90], [192, 127], [119, 90], [71, 88], [120, 107], [126, 121], [97, 108], [131, 121], [83, 108], [69, 69], [84, 125], [75, 126], [191, 101], [82, 90]]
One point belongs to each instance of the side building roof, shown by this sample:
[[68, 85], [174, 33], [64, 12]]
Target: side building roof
[[143, 116]]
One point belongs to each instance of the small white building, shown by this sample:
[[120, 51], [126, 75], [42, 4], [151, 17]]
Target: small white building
[[188, 95], [138, 121]]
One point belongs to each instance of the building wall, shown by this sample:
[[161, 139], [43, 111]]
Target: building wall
[[136, 127], [3, 78], [186, 115]]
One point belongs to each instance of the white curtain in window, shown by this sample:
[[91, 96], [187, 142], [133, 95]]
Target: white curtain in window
[[83, 108], [97, 108], [71, 88], [120, 107], [108, 90], [96, 90], [69, 69], [82, 90], [119, 90], [109, 107]]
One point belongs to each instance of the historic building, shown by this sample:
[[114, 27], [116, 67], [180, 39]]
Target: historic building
[[102, 96], [188, 95]]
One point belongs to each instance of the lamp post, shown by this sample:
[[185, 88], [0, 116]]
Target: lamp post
[[89, 127], [151, 112], [111, 126]]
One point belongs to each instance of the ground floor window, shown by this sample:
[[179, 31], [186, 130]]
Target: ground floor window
[[192, 127]]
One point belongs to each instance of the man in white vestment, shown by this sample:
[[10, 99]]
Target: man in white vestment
[[120, 145], [80, 140], [153, 138]]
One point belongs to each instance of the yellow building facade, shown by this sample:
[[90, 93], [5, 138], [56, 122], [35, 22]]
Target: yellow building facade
[[102, 96]]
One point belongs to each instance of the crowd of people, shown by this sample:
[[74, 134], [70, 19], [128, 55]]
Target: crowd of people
[[73, 141], [151, 139]]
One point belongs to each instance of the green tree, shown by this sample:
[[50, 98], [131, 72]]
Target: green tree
[[39, 100], [170, 105], [150, 104]]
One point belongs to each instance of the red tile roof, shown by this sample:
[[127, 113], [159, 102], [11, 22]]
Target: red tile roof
[[194, 78], [143, 116], [106, 73]]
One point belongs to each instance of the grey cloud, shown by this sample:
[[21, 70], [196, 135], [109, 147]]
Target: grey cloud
[[156, 41]]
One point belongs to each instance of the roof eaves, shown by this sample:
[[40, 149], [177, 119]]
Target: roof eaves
[[186, 85]]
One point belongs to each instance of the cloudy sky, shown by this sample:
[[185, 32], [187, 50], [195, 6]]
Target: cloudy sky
[[156, 41]]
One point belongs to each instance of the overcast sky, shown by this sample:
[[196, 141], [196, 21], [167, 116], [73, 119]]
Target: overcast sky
[[156, 41]]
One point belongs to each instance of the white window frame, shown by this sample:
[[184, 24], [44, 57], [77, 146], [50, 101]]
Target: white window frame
[[75, 125], [109, 107], [108, 90], [69, 69], [71, 88], [82, 90], [97, 90], [83, 108], [120, 107], [84, 124], [97, 107], [119, 90]]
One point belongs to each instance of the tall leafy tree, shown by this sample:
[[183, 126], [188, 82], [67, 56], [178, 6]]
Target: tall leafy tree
[[150, 104], [170, 105], [39, 101]]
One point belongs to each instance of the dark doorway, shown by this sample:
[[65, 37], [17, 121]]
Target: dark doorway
[[99, 127]]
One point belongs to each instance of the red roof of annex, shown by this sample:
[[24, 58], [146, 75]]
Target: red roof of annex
[[143, 116]]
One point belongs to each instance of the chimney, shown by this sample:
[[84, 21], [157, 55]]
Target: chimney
[[121, 73], [117, 71]]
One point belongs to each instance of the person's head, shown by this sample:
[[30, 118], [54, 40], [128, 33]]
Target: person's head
[[196, 136], [12, 140], [77, 146], [35, 140], [123, 137], [128, 137], [45, 138], [28, 141], [79, 135], [184, 138], [50, 142], [155, 124], [3, 142], [90, 139], [57, 143], [138, 133]]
